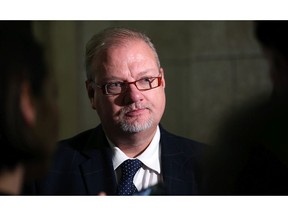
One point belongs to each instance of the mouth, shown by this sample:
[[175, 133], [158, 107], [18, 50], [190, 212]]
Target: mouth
[[135, 112]]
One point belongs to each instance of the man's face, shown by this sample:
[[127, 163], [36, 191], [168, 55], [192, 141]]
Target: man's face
[[133, 110]]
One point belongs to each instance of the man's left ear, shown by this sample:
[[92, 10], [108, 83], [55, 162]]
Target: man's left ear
[[27, 105], [162, 74]]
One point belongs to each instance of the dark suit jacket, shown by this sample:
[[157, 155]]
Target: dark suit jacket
[[83, 166]]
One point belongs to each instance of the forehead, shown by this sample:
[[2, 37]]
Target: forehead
[[134, 55], [126, 48]]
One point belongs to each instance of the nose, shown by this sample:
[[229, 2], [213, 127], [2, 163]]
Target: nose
[[132, 94]]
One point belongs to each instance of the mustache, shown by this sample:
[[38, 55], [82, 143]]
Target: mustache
[[134, 106]]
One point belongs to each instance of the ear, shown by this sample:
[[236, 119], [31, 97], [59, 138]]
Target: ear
[[27, 105], [90, 92], [90, 89], [163, 79]]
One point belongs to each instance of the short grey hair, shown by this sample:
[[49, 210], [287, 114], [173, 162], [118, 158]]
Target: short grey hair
[[110, 37]]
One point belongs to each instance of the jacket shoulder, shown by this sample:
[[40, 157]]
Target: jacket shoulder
[[174, 137], [79, 141]]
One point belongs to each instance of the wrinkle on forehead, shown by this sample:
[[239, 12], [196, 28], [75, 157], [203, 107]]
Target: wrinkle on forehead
[[128, 61]]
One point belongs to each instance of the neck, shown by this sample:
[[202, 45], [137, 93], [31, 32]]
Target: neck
[[11, 180], [133, 144]]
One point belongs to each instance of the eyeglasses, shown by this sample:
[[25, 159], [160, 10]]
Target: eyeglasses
[[116, 88]]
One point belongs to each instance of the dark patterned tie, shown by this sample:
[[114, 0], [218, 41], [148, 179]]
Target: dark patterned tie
[[129, 169]]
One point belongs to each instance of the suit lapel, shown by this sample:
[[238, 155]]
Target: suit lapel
[[171, 170], [173, 164], [97, 170]]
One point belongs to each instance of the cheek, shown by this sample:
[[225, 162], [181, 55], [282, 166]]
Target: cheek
[[159, 98], [106, 107], [162, 104], [159, 103]]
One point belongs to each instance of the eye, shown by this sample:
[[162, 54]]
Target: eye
[[147, 79], [115, 84]]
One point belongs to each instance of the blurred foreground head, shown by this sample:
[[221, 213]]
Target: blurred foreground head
[[28, 110], [273, 37]]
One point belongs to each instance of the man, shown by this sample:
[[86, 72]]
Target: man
[[28, 114], [125, 85]]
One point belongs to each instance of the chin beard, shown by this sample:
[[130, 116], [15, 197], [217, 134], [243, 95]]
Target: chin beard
[[135, 127]]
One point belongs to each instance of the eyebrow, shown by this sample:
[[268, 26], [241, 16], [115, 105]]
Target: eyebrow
[[140, 74]]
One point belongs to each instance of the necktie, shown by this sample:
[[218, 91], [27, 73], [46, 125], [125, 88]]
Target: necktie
[[129, 169]]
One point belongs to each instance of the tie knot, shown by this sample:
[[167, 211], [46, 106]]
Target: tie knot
[[130, 167]]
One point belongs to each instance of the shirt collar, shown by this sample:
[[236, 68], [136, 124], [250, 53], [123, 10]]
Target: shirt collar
[[150, 157]]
